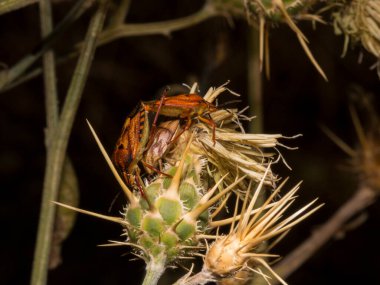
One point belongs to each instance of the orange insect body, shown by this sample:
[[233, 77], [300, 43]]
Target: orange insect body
[[131, 144], [182, 106]]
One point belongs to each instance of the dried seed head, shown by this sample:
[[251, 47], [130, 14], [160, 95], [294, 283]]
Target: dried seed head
[[359, 21], [240, 249], [264, 13], [224, 258], [365, 158]]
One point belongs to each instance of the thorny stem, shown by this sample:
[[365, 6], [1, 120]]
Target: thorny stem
[[364, 197], [154, 269], [59, 141]]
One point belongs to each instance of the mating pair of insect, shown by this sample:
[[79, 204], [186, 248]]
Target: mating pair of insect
[[144, 142]]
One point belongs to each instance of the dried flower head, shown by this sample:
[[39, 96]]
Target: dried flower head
[[365, 158], [240, 249], [359, 21], [268, 13]]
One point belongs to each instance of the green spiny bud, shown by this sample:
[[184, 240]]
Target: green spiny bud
[[152, 224], [169, 208], [134, 216], [170, 239], [185, 229], [188, 194], [151, 193]]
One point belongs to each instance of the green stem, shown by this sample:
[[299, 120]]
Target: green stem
[[59, 141], [13, 77], [51, 97], [255, 100], [120, 14], [255, 94], [163, 27], [200, 278], [154, 269], [7, 76]]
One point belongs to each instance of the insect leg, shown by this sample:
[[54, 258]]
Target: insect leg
[[210, 122]]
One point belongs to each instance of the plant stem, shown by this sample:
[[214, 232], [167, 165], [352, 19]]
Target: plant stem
[[255, 93], [12, 77], [200, 278], [11, 5], [255, 100], [51, 101], [58, 144], [163, 27], [154, 269], [7, 76], [120, 14], [363, 197]]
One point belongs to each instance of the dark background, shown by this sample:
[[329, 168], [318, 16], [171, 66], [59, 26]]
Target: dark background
[[296, 100]]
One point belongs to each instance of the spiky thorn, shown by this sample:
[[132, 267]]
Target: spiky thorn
[[208, 200], [232, 253], [220, 207], [132, 199], [123, 243], [100, 216], [227, 221], [301, 37]]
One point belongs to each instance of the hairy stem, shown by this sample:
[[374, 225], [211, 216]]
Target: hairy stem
[[364, 197], [154, 269], [58, 145], [200, 278]]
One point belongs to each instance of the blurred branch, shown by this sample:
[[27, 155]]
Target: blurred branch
[[11, 5], [120, 14], [12, 77], [7, 76], [255, 92], [58, 144], [51, 100], [364, 197]]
